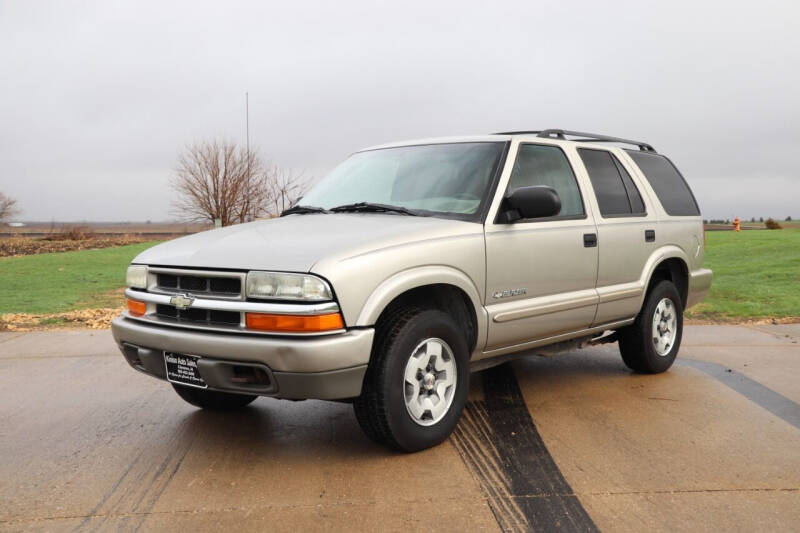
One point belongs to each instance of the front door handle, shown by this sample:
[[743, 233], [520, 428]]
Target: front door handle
[[589, 240]]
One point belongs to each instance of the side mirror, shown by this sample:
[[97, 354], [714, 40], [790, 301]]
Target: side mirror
[[537, 201]]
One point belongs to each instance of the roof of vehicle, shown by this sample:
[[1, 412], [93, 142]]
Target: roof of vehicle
[[552, 134]]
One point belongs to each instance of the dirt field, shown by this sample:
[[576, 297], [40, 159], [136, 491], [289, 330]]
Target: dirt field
[[16, 246], [39, 237], [39, 229], [99, 318]]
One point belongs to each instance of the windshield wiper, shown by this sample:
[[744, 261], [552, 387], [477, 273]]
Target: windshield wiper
[[303, 210], [370, 207]]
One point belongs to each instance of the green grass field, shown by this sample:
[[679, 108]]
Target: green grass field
[[756, 275], [56, 282]]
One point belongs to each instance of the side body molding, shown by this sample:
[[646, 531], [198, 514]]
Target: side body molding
[[409, 279], [622, 301]]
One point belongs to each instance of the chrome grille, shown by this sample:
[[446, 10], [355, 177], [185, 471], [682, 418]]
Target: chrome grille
[[199, 316], [199, 283], [211, 311]]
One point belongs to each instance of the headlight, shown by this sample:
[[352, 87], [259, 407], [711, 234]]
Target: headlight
[[280, 286], [136, 277]]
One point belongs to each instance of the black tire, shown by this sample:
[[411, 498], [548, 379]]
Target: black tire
[[381, 409], [636, 341], [213, 400]]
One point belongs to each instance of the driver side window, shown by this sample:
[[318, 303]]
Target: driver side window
[[538, 164]]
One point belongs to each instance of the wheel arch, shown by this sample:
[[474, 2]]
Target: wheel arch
[[670, 264], [437, 287]]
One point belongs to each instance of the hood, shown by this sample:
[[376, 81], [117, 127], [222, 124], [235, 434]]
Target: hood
[[296, 242]]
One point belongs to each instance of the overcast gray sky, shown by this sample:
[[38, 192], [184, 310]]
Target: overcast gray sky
[[98, 98]]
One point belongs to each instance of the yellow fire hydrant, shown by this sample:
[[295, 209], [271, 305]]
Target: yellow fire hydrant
[[736, 226]]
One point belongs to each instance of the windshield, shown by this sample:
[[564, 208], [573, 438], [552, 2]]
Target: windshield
[[437, 179]]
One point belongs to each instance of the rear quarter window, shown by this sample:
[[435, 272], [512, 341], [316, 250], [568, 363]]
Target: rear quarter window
[[672, 190], [615, 192]]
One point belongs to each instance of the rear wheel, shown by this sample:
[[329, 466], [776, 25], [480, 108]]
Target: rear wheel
[[417, 380], [651, 343], [214, 400]]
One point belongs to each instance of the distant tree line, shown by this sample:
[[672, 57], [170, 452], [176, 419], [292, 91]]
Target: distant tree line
[[728, 221]]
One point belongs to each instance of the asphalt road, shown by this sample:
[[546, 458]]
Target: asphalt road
[[574, 442]]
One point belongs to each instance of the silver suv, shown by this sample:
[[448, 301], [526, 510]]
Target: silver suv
[[413, 264]]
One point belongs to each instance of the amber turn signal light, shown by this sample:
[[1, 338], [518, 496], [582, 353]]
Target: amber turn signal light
[[294, 323], [136, 308]]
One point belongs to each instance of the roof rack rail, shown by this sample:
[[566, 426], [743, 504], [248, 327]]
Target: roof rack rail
[[584, 137]]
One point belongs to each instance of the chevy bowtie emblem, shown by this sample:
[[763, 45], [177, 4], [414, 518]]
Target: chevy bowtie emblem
[[181, 301]]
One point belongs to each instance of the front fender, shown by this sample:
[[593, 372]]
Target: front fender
[[413, 278]]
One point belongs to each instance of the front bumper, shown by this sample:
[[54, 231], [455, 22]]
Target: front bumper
[[327, 367]]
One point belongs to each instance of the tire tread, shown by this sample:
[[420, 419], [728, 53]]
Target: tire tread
[[370, 407], [634, 348]]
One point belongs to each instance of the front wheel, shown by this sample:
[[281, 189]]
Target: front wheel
[[417, 380], [651, 343]]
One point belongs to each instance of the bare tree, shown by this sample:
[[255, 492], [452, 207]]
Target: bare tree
[[221, 180], [286, 187], [8, 207]]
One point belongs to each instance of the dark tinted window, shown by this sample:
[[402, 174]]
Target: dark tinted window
[[547, 165], [609, 189], [667, 182], [637, 205]]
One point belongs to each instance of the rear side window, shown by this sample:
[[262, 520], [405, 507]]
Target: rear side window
[[670, 187], [615, 191], [537, 164], [635, 199]]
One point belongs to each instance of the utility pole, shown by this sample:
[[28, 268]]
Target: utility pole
[[247, 128], [247, 140]]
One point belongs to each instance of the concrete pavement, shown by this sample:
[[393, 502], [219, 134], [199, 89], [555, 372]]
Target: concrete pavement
[[571, 442]]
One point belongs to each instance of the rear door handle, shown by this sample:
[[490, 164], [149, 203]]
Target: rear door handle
[[590, 240], [649, 235]]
